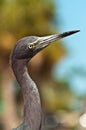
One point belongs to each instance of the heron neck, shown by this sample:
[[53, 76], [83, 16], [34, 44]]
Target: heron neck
[[32, 105]]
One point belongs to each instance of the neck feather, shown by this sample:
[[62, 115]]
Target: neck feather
[[32, 105]]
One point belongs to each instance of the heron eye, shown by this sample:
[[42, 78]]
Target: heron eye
[[33, 45]]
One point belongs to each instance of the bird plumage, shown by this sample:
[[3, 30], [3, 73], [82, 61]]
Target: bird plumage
[[23, 51]]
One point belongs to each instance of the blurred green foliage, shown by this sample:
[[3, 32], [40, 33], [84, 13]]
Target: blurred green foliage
[[26, 17]]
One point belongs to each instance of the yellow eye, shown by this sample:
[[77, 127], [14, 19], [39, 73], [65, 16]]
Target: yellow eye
[[31, 46]]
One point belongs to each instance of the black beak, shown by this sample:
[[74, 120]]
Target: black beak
[[45, 41]]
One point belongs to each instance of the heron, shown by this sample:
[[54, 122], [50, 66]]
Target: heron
[[23, 51]]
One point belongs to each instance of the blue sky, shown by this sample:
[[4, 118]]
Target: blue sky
[[70, 15]]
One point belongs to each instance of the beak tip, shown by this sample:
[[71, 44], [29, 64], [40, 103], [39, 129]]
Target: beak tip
[[75, 31], [68, 33]]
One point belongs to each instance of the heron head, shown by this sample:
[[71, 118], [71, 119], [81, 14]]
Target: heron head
[[27, 47]]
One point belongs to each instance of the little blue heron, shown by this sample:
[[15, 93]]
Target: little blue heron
[[22, 53]]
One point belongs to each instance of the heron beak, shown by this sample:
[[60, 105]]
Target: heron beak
[[47, 40]]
